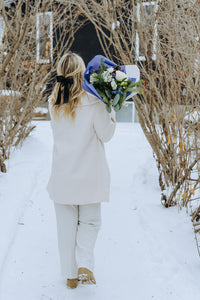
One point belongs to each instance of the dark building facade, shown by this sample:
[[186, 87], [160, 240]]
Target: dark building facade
[[86, 43]]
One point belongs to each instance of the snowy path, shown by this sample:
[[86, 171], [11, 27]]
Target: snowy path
[[143, 252]]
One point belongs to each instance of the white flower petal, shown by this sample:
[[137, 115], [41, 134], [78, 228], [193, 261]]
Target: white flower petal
[[113, 84], [120, 75], [110, 70]]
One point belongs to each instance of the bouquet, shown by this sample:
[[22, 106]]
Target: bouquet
[[111, 83]]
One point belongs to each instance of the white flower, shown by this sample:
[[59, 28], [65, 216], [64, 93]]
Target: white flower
[[106, 76], [113, 84], [93, 78], [110, 70], [120, 75]]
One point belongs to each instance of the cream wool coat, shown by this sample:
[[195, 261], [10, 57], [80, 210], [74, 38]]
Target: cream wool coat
[[80, 174]]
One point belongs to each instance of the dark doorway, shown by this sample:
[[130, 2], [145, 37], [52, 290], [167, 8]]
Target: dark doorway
[[86, 43]]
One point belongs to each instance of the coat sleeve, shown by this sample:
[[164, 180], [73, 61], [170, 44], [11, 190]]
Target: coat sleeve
[[104, 122]]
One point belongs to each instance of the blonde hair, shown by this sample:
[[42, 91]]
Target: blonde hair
[[70, 65]]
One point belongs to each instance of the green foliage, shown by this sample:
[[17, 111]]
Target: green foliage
[[116, 99], [103, 67], [108, 108]]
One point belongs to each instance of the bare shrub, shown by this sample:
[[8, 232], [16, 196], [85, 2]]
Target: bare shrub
[[35, 35], [163, 39]]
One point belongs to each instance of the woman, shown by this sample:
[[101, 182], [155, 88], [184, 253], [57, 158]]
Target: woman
[[80, 178]]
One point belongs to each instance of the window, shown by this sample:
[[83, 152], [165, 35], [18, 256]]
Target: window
[[148, 7], [2, 28], [44, 37]]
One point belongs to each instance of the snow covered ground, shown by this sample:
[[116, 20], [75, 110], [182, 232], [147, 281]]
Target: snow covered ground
[[144, 251]]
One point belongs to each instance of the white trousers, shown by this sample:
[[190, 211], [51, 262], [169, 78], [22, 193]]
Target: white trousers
[[77, 230]]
